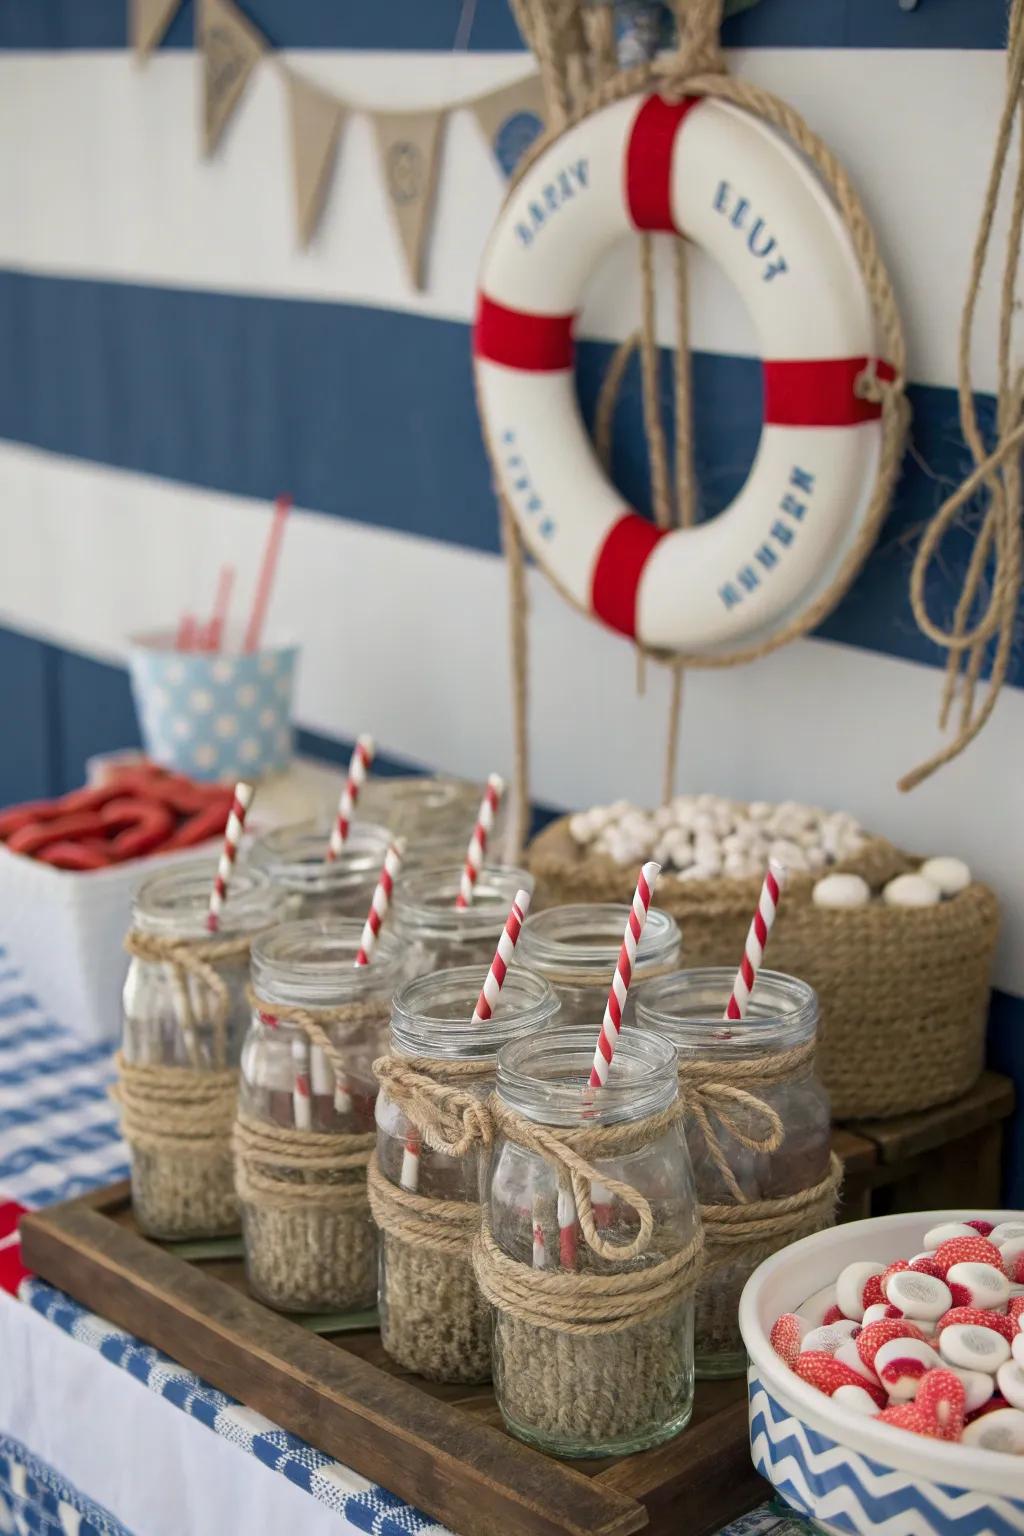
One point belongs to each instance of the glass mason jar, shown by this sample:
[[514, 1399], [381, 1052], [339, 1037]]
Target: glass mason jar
[[316, 1251], [769, 1054], [576, 949], [437, 934], [432, 1318], [434, 815], [172, 1019], [628, 1385], [293, 859]]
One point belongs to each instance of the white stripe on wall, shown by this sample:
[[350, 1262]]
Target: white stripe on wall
[[100, 176], [409, 640]]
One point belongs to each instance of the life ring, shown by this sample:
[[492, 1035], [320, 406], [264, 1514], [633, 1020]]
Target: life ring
[[708, 170]]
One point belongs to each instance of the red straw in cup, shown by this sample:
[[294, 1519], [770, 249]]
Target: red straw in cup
[[268, 569], [358, 768], [757, 939], [229, 853], [213, 633], [478, 842]]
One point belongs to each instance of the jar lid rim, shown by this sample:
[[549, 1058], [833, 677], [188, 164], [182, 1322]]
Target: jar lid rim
[[661, 933]]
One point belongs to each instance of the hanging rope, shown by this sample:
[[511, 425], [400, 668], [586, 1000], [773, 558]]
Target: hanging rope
[[997, 472], [696, 68]]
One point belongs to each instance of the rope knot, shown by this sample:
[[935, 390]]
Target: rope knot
[[450, 1119]]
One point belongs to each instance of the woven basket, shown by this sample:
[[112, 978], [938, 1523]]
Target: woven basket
[[903, 990]]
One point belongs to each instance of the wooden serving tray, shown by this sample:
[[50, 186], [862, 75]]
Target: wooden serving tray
[[442, 1448]]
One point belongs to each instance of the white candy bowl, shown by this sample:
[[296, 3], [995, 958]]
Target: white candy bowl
[[848, 1473]]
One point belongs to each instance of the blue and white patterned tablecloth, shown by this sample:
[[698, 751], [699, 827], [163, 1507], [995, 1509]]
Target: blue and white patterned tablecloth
[[58, 1139]]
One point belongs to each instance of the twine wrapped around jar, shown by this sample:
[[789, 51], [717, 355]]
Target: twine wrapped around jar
[[433, 1320], [177, 1120], [740, 1234], [593, 1353], [309, 1239]]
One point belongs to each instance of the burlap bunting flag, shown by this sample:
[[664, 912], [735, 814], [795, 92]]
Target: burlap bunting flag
[[408, 144], [510, 119], [315, 117], [230, 48], [148, 20]]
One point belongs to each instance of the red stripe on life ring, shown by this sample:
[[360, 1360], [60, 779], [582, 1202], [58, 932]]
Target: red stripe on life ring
[[518, 339], [649, 161], [819, 392], [620, 564]]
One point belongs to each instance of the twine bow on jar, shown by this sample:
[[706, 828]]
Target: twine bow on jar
[[195, 958], [426, 1089], [570, 1152]]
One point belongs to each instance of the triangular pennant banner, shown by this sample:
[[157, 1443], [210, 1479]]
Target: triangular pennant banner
[[315, 118], [408, 143], [231, 48], [511, 118], [149, 20]]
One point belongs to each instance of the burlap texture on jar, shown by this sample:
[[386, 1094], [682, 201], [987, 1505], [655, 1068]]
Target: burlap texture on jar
[[310, 1242], [590, 1354], [741, 1233], [177, 1120], [433, 1320], [903, 991]]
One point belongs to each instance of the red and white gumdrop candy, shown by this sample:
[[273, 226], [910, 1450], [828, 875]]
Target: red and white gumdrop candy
[[1005, 1232], [827, 1373], [878, 1312], [987, 1287], [967, 1250], [871, 1339], [787, 1335], [942, 1398], [901, 1364], [978, 1387], [920, 1297], [829, 1336], [973, 1347], [976, 1317], [1015, 1309], [815, 1308], [1017, 1348], [851, 1285], [887, 1274], [1002, 1430], [1011, 1249], [1010, 1377], [946, 1232], [849, 1354], [856, 1399], [980, 1225]]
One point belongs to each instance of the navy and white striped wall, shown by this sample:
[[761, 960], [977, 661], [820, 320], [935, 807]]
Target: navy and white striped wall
[[169, 361]]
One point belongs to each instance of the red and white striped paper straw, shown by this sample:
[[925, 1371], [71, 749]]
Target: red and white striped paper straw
[[503, 955], [229, 853], [358, 768], [268, 569], [302, 1104], [213, 633], [478, 842], [611, 1025], [540, 1257], [187, 633], [757, 938], [381, 901]]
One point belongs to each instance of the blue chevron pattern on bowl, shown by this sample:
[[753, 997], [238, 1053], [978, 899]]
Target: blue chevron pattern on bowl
[[844, 1491]]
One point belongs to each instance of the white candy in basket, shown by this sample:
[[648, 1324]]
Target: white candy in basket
[[901, 1363], [911, 891], [973, 1347], [919, 1297], [987, 1286], [1001, 1430], [950, 875], [841, 891]]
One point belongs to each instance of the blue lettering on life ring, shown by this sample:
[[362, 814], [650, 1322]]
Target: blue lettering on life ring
[[552, 196], [523, 487], [760, 243], [783, 530]]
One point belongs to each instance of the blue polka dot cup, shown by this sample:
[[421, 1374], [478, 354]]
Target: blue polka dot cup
[[214, 715]]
